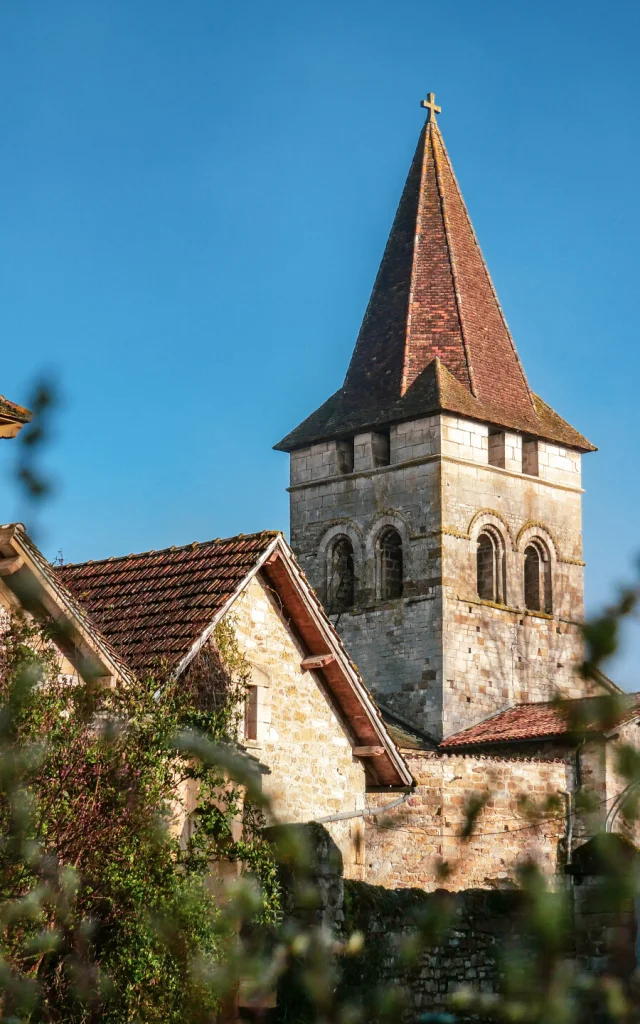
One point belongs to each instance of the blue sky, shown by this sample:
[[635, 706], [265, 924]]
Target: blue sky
[[195, 198]]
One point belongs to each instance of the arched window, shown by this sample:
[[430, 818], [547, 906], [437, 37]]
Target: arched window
[[390, 564], [490, 574], [342, 580], [537, 578]]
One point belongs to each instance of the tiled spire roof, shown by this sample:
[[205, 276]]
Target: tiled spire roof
[[434, 336]]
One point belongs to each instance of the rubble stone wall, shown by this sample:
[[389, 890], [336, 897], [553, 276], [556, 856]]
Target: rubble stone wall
[[405, 847]]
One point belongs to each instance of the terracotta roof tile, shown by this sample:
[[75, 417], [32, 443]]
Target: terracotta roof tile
[[153, 606], [549, 720], [434, 337], [9, 410]]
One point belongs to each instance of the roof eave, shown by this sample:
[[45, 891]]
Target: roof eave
[[290, 443], [484, 744], [39, 592], [279, 551], [370, 724], [198, 644]]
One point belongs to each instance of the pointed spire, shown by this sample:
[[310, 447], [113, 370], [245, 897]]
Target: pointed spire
[[433, 296], [433, 299]]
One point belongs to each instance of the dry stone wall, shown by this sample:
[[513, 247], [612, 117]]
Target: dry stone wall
[[476, 927]]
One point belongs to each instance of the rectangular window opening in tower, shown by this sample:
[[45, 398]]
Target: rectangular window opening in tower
[[345, 455], [381, 448], [497, 445], [530, 456]]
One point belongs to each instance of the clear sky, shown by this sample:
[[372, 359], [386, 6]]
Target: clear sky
[[195, 197]]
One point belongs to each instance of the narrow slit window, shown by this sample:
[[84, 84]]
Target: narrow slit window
[[530, 456], [251, 713], [497, 448], [532, 599], [346, 454], [381, 448]]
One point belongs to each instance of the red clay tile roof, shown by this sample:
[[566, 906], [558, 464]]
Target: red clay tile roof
[[152, 607], [434, 336], [9, 410], [12, 417], [549, 720]]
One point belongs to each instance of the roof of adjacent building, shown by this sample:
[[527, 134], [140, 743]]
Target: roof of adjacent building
[[154, 606], [434, 337], [156, 609], [548, 720], [12, 417], [405, 734], [39, 590]]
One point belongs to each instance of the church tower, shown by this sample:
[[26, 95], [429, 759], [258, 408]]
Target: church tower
[[435, 500]]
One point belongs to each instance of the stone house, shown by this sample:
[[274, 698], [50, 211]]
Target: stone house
[[321, 743]]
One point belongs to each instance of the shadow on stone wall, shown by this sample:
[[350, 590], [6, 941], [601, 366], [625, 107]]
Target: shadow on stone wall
[[421, 947], [459, 934]]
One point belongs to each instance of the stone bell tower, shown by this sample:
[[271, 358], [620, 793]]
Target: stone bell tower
[[435, 500]]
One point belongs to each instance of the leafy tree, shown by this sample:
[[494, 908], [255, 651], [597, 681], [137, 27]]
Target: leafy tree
[[106, 911]]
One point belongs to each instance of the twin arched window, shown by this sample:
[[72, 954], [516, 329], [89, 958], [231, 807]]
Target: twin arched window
[[341, 576], [491, 573]]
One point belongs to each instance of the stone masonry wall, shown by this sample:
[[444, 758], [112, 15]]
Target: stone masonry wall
[[477, 926], [404, 847], [439, 655], [497, 655], [395, 644], [301, 739]]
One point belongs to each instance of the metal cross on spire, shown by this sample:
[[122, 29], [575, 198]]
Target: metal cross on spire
[[430, 104]]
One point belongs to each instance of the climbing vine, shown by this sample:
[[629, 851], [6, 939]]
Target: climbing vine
[[107, 910]]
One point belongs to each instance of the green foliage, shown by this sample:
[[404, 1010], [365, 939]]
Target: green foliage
[[105, 908], [108, 914]]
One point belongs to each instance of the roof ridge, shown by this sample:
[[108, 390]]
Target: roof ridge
[[412, 278], [173, 547], [485, 268], [449, 247]]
